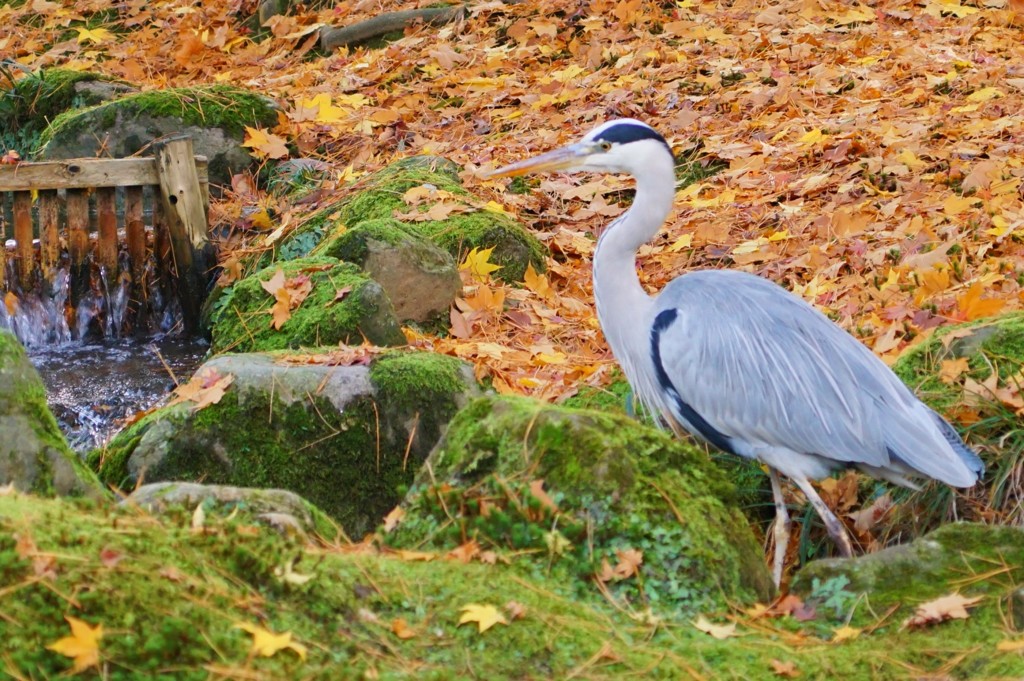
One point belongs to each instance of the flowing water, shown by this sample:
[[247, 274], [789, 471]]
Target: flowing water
[[95, 375]]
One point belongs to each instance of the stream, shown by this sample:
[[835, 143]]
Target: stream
[[93, 387]]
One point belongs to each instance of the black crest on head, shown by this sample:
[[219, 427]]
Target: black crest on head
[[625, 132]]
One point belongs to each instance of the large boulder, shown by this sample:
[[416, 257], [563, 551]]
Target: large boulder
[[426, 195], [345, 436], [420, 278], [33, 453], [592, 497], [214, 116], [342, 306]]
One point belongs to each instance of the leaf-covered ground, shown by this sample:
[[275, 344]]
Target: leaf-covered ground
[[872, 153]]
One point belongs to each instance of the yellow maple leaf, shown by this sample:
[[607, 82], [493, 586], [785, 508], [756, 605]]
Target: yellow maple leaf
[[83, 646], [486, 616], [325, 111], [266, 643], [984, 94], [954, 205], [478, 263], [812, 137], [94, 35], [266, 145], [538, 283]]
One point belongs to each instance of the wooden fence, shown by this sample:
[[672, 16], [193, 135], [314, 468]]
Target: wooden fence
[[173, 184]]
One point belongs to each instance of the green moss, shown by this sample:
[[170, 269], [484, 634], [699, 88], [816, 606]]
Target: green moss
[[993, 344], [220, 106], [380, 197], [616, 486], [28, 426], [351, 243], [242, 321], [170, 605]]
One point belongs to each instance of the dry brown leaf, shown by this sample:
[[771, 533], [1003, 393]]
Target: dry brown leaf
[[785, 669], [719, 631], [953, 606]]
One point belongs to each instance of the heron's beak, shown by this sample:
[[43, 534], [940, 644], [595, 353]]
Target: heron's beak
[[565, 158]]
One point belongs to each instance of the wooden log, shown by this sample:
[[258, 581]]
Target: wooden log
[[106, 244], [23, 250], [78, 243], [86, 173], [49, 236], [185, 213]]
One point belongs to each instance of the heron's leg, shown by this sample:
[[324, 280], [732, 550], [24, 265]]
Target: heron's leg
[[781, 529], [832, 523]]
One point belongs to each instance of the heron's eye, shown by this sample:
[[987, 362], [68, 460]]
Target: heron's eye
[[605, 145]]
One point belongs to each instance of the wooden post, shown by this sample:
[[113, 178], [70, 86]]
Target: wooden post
[[106, 243], [3, 246], [23, 239], [49, 236], [182, 199], [78, 243], [135, 235]]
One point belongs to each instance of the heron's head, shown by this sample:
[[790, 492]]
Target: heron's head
[[620, 146]]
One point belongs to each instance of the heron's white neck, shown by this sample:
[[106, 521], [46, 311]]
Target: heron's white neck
[[623, 307]]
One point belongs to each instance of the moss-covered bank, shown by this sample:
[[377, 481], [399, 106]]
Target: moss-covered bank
[[170, 597], [608, 486]]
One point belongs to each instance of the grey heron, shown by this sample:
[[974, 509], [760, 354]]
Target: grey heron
[[742, 363]]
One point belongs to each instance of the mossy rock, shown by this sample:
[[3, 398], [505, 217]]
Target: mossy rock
[[242, 320], [33, 453], [379, 197], [421, 279], [348, 438], [170, 599], [214, 116], [37, 98], [990, 344], [610, 484], [929, 567], [278, 508]]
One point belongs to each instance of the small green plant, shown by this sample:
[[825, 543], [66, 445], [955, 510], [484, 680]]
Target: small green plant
[[831, 596]]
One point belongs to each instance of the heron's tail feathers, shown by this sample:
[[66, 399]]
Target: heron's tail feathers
[[923, 442]]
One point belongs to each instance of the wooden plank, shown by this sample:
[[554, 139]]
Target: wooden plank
[[23, 250], [49, 234], [78, 243], [185, 212], [106, 245], [86, 173], [135, 230]]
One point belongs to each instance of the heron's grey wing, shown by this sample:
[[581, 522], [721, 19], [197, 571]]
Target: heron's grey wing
[[760, 367]]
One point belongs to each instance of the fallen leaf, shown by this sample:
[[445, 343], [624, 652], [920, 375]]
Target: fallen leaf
[[515, 610], [401, 629], [953, 606], [719, 631], [1011, 646], [845, 633], [951, 369], [109, 557], [485, 616], [785, 669], [392, 519], [266, 643], [477, 262], [83, 646], [629, 563]]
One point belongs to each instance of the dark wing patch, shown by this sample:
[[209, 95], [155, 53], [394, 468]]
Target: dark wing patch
[[624, 133], [695, 420]]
